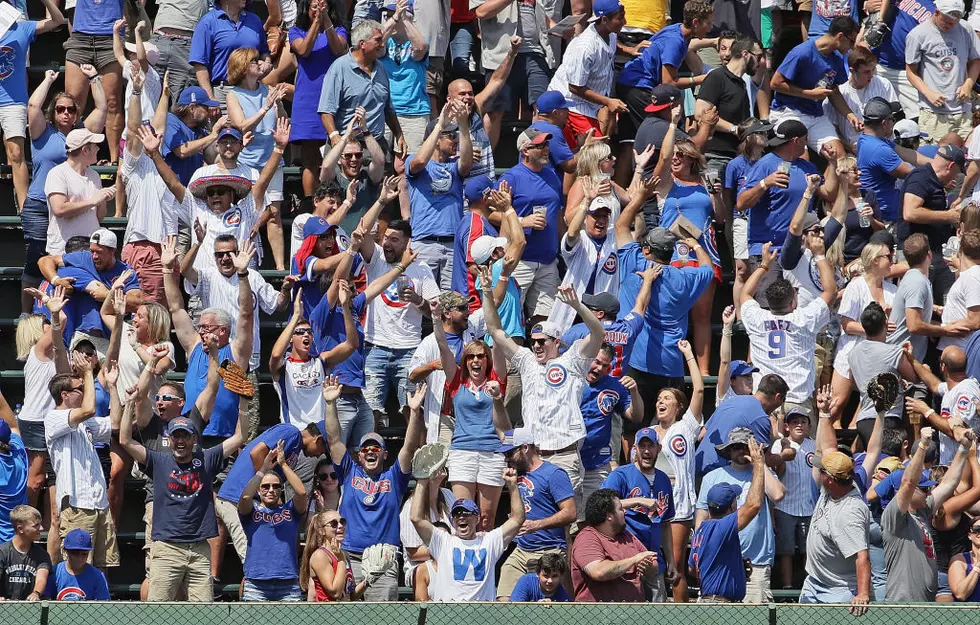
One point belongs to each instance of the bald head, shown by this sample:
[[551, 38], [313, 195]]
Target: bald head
[[458, 86], [952, 138], [954, 359]]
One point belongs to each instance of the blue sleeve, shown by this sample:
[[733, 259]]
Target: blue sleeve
[[831, 230], [359, 304], [649, 60], [762, 428], [214, 458], [30, 31], [201, 43], [886, 159], [560, 152], [629, 259], [789, 256], [706, 483], [344, 468], [698, 280], [51, 590], [625, 400], [673, 55], [522, 590], [408, 166], [841, 76], [636, 323], [82, 278], [330, 92], [729, 525], [759, 171], [791, 64], [616, 482], [560, 486], [170, 138], [732, 173], [574, 333]]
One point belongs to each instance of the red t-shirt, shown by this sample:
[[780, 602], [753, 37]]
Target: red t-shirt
[[321, 594], [459, 12], [590, 546]]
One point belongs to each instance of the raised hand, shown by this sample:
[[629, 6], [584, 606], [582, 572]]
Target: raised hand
[[768, 256], [118, 302], [331, 389], [281, 135], [493, 389], [150, 140], [111, 372], [501, 197], [66, 283], [120, 282], [281, 452], [756, 452], [925, 434], [344, 294], [728, 315], [139, 78], [200, 229], [642, 158], [408, 257], [119, 26], [685, 348], [628, 382], [389, 189], [80, 363], [168, 253], [270, 459], [568, 296], [510, 477], [244, 256], [50, 76], [89, 71], [298, 305], [416, 399], [486, 277]]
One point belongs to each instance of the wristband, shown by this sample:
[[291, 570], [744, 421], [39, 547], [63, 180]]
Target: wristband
[[334, 134], [824, 415], [96, 78], [762, 183], [931, 411], [278, 150], [137, 92], [697, 247], [399, 266], [923, 444], [807, 196], [503, 278], [243, 274], [964, 448], [726, 332], [260, 474], [818, 258]]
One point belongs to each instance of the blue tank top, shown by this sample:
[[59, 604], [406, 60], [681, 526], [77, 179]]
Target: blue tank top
[[224, 416], [474, 429], [975, 595], [256, 154], [47, 151], [692, 201], [96, 17]]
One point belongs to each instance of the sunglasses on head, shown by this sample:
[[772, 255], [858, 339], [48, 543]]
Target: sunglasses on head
[[216, 191], [270, 486], [165, 397], [335, 523], [225, 253], [66, 109], [326, 476]]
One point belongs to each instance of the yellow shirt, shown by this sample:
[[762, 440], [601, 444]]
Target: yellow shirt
[[647, 14]]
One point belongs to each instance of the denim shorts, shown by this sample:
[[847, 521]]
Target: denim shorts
[[272, 590], [32, 433], [385, 370]]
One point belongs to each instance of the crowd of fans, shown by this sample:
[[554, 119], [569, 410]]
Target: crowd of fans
[[534, 325]]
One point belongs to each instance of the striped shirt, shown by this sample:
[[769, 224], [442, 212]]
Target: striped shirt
[[856, 99], [217, 291], [957, 402], [149, 204], [587, 62], [784, 344], [552, 395], [798, 479], [593, 267], [76, 464]]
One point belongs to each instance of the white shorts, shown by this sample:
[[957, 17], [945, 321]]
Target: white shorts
[[740, 238], [13, 120], [481, 467], [274, 192], [820, 130], [908, 96]]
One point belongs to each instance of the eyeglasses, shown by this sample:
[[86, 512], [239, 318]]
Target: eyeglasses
[[165, 397], [815, 230], [302, 331], [370, 448], [211, 329], [66, 109], [270, 486], [77, 389], [225, 253], [216, 191], [540, 341], [335, 523], [888, 256], [326, 476], [353, 155]]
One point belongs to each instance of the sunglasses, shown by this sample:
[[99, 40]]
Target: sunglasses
[[270, 486], [815, 230], [354, 155], [165, 397], [460, 308], [475, 357], [337, 522], [540, 341], [326, 476], [370, 448], [975, 529], [302, 331], [225, 253], [217, 191], [66, 109], [77, 389]]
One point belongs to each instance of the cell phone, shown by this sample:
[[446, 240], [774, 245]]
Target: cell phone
[[403, 283]]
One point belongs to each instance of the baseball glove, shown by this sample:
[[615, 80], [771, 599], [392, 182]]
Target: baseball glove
[[376, 560], [875, 30], [428, 460], [236, 379], [883, 389]]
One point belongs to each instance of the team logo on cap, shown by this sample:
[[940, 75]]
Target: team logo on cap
[[606, 401], [610, 265], [678, 444], [555, 375], [232, 218]]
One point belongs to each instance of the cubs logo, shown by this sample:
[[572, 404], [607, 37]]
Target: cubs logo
[[606, 401], [391, 295], [963, 404], [8, 59], [947, 64], [196, 463], [678, 445], [809, 459], [71, 593], [610, 265], [232, 218], [526, 488], [556, 375], [683, 249]]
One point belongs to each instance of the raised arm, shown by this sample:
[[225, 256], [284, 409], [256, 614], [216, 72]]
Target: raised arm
[[499, 76], [95, 122], [597, 333], [151, 145], [241, 345], [446, 354], [281, 137], [662, 168], [133, 448], [87, 409], [420, 510], [118, 50], [752, 284], [377, 286], [54, 18], [501, 339], [183, 326], [233, 443], [335, 442], [910, 479], [725, 353], [641, 191], [205, 400], [590, 191], [511, 229], [237, 115], [462, 115], [246, 501], [36, 121], [513, 524], [756, 497], [944, 489], [339, 353], [279, 348], [421, 158], [697, 380], [415, 432]]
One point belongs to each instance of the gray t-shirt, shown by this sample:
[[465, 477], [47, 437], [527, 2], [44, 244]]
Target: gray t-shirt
[[838, 531], [867, 359], [914, 291], [942, 59], [910, 556], [180, 14], [528, 28]]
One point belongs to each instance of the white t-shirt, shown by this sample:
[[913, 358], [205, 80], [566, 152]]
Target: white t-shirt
[[131, 365], [856, 99], [678, 444], [466, 569], [37, 399], [299, 387], [77, 469], [856, 298], [962, 296], [149, 204], [64, 180], [410, 537], [552, 396], [391, 322], [957, 402], [784, 344], [585, 260], [217, 291]]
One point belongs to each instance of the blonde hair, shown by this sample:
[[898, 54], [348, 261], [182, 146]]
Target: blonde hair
[[23, 514], [846, 164], [870, 252], [970, 217], [589, 158], [835, 253], [687, 148], [238, 63], [158, 322], [29, 332]]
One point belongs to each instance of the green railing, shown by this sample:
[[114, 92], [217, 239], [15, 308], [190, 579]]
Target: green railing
[[131, 613]]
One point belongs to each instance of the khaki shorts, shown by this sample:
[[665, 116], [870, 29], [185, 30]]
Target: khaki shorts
[[908, 96], [148, 540], [516, 565], [180, 565], [228, 513], [593, 481], [757, 588], [435, 76], [539, 284], [98, 523], [937, 125]]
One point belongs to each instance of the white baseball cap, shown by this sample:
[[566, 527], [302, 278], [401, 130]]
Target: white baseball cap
[[949, 7], [104, 237], [79, 137], [907, 129], [483, 248]]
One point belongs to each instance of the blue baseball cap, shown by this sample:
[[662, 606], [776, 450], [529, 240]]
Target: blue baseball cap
[[551, 101], [477, 188], [195, 95], [78, 540], [722, 496], [887, 487], [322, 426], [740, 367], [392, 6], [467, 506], [234, 133], [315, 226], [602, 8], [648, 433], [182, 424], [373, 437], [4, 432]]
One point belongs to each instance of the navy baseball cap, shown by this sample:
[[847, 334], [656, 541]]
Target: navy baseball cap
[[78, 540], [953, 153], [551, 101], [477, 188], [466, 506], [234, 133], [887, 487], [182, 424], [663, 96], [722, 496], [740, 367], [4, 432], [606, 302], [195, 95], [648, 433]]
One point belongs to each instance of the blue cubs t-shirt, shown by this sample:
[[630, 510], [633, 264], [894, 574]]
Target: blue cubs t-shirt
[[88, 585], [329, 331], [528, 589], [178, 133], [876, 159], [757, 539], [908, 15], [645, 523], [599, 402], [436, 195], [559, 152], [735, 174], [13, 63], [87, 311], [537, 192], [13, 483], [183, 498], [806, 68], [224, 415], [273, 535], [620, 333], [541, 491], [716, 554], [667, 47], [737, 411], [242, 470], [769, 218], [371, 505]]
